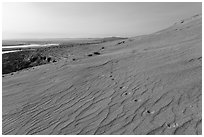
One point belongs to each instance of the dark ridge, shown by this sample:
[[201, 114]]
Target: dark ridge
[[16, 61]]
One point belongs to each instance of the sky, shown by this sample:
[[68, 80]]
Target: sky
[[90, 20]]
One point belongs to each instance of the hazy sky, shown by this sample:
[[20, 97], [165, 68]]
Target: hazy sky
[[82, 20]]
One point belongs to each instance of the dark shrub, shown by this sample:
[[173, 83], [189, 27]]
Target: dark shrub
[[49, 59], [97, 53], [121, 42], [34, 58], [43, 58]]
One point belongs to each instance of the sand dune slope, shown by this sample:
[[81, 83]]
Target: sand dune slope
[[143, 85]]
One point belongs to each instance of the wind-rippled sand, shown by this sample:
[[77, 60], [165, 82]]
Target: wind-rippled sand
[[149, 84]]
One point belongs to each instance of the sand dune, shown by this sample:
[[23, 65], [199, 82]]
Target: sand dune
[[148, 84]]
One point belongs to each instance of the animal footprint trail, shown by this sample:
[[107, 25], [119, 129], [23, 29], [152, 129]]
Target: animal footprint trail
[[148, 92]]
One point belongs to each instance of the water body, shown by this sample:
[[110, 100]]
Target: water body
[[30, 45], [3, 52], [24, 46]]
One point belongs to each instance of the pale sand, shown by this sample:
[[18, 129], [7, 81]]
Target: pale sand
[[146, 85]]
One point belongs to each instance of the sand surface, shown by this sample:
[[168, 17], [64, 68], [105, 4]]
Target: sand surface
[[148, 84]]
